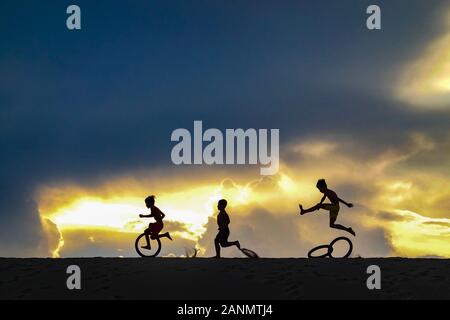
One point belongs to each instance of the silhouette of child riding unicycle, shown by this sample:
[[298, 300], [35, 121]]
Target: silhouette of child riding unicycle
[[152, 245]]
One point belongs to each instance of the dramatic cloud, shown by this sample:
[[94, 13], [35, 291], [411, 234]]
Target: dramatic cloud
[[264, 211], [418, 236], [86, 119], [425, 82]]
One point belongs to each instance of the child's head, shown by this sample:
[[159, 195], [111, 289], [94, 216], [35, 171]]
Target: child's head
[[321, 185], [150, 201], [222, 204]]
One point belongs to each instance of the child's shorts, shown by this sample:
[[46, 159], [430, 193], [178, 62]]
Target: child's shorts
[[155, 227], [333, 208], [222, 236]]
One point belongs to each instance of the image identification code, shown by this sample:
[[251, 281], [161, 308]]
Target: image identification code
[[233, 309]]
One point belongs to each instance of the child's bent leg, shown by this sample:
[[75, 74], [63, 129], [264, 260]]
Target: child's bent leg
[[165, 235], [147, 239], [232, 243], [340, 227]]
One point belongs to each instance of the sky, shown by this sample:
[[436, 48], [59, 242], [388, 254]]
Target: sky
[[86, 118]]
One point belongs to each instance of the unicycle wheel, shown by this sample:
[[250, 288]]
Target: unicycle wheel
[[155, 245]]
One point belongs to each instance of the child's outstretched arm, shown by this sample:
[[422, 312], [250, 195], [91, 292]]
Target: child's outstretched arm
[[346, 203], [145, 216]]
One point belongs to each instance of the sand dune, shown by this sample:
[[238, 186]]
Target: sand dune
[[203, 278]]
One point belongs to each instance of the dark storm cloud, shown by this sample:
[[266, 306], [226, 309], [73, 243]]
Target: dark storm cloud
[[82, 106], [22, 231]]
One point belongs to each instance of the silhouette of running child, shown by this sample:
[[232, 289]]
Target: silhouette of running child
[[154, 228], [332, 207], [223, 220]]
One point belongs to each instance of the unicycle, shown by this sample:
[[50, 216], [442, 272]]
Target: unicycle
[[155, 245]]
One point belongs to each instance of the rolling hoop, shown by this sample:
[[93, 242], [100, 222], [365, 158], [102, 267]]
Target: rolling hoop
[[330, 249]]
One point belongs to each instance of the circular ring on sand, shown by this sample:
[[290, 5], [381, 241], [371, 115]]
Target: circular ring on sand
[[350, 247], [324, 246], [330, 249]]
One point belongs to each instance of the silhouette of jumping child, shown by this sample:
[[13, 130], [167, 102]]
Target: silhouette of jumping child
[[332, 207], [155, 228], [223, 220]]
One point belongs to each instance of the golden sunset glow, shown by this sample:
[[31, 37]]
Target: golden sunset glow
[[72, 210], [415, 234], [425, 81], [96, 212]]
